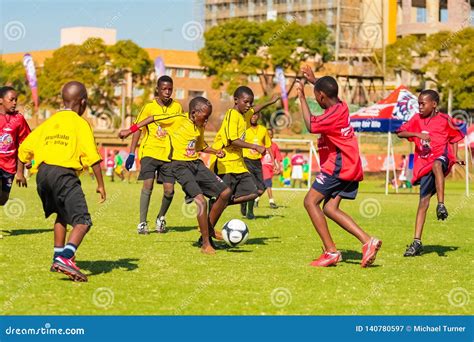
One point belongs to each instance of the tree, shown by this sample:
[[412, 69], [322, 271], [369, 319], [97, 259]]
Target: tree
[[238, 48]]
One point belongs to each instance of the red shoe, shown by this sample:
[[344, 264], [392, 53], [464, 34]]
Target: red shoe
[[327, 259], [369, 252], [69, 268]]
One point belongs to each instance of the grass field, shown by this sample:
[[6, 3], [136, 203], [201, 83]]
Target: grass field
[[167, 274]]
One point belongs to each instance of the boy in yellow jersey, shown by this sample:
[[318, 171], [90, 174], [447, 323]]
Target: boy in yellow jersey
[[154, 154], [231, 138], [258, 135], [61, 146], [187, 140]]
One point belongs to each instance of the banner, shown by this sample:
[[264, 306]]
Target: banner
[[159, 67], [280, 76], [31, 76]]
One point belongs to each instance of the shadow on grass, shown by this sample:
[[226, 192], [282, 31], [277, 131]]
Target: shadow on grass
[[107, 266], [266, 216], [440, 250], [181, 228], [353, 257], [15, 232], [260, 241]]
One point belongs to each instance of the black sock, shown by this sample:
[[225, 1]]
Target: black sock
[[57, 251], [69, 251], [250, 206], [144, 204], [165, 204]]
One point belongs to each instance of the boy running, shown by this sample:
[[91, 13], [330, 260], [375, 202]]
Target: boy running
[[61, 146], [13, 130], [197, 181], [154, 154], [435, 135], [341, 170]]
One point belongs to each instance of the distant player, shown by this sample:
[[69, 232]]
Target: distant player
[[154, 154], [341, 170], [118, 165], [435, 135], [258, 135], [297, 162], [13, 130], [197, 181], [61, 146], [270, 168]]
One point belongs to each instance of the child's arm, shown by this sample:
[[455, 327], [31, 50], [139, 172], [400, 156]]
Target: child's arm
[[455, 151], [258, 108], [243, 144], [100, 181], [304, 105], [407, 135], [309, 74], [210, 150], [20, 174], [124, 133]]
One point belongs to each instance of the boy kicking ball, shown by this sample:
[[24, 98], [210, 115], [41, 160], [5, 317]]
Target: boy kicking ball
[[435, 135], [61, 146], [341, 170]]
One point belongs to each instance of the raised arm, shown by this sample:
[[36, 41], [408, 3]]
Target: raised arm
[[304, 105], [274, 99], [309, 74]]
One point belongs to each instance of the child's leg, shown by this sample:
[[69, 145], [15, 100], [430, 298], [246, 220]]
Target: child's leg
[[203, 224], [331, 209], [270, 194], [312, 201], [59, 232], [145, 198], [218, 207], [4, 197], [439, 180], [4, 191], [243, 199], [423, 206], [168, 193]]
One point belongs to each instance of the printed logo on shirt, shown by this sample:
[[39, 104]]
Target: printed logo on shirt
[[6, 143], [242, 137], [321, 178], [347, 131], [160, 132], [425, 147], [191, 149]]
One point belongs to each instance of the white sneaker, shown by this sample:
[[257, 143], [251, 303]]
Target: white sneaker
[[142, 228], [161, 225]]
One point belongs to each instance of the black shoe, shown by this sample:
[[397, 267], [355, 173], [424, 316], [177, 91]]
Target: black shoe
[[416, 248], [441, 212], [273, 205], [243, 208], [250, 216]]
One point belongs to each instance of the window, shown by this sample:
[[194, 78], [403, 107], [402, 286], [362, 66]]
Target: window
[[421, 15], [253, 78], [169, 72], [194, 93], [196, 74], [179, 94], [179, 72]]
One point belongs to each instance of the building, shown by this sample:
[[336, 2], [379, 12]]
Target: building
[[424, 17]]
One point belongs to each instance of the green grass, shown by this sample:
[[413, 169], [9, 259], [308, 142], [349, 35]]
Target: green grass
[[167, 274]]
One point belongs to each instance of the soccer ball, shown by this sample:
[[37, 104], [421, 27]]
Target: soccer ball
[[235, 233]]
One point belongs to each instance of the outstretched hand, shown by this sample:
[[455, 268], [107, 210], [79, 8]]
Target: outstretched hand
[[308, 73]]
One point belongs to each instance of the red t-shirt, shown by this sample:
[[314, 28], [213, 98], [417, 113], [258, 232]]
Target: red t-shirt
[[442, 131], [337, 147], [13, 130], [267, 166], [297, 159]]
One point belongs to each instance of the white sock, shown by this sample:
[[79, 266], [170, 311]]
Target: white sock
[[271, 200]]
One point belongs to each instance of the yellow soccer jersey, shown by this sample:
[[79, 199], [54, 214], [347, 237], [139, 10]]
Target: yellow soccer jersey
[[187, 140], [232, 128], [257, 135], [65, 139], [152, 145]]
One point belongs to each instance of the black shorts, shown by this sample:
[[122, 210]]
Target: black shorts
[[255, 168], [7, 180], [331, 186], [60, 191], [196, 179], [241, 184], [428, 183], [149, 167]]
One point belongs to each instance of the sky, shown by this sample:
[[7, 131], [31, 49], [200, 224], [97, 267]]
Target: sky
[[29, 25]]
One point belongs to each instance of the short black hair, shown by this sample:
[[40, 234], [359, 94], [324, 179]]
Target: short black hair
[[432, 94], [163, 79], [4, 91], [328, 86], [198, 102], [242, 90]]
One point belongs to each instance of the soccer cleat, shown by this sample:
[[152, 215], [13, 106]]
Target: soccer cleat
[[142, 228], [256, 202], [273, 205], [250, 216], [441, 212], [369, 252], [416, 248], [69, 268], [243, 209], [160, 225], [52, 268], [327, 259]]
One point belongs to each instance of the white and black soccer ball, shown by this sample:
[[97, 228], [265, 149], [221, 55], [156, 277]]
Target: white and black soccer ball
[[235, 233]]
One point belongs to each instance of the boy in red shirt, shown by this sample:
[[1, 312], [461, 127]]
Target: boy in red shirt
[[341, 170], [435, 135], [13, 130], [269, 168]]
